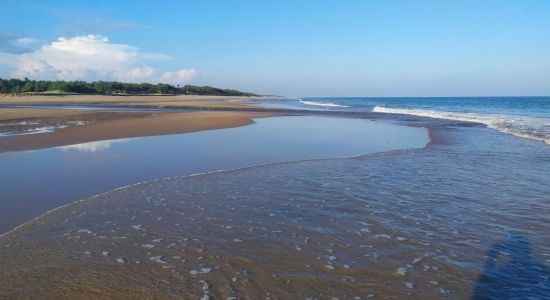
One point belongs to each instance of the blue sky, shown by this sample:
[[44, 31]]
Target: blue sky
[[293, 48]]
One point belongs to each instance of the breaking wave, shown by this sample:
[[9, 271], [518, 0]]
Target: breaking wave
[[326, 104], [521, 126]]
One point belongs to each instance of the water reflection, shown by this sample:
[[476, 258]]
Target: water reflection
[[397, 225], [91, 146], [36, 181], [511, 272]]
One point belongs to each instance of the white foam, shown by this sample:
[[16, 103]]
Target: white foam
[[402, 271], [326, 104], [201, 271], [526, 127], [2, 235], [37, 130], [138, 227], [157, 259]]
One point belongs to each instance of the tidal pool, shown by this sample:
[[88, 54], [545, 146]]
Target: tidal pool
[[33, 182]]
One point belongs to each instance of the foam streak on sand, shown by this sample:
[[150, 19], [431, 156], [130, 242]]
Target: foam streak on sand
[[525, 127], [160, 124], [37, 130]]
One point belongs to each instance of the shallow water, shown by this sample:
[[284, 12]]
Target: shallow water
[[526, 117], [466, 217], [34, 182]]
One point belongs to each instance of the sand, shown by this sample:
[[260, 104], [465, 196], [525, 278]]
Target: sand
[[126, 127], [263, 232], [124, 100], [11, 114], [78, 126]]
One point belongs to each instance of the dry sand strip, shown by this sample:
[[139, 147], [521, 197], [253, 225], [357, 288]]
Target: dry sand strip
[[107, 99], [159, 124]]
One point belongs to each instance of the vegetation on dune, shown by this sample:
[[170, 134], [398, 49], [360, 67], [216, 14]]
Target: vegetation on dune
[[27, 86]]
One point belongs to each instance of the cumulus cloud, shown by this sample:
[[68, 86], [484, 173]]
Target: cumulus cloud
[[137, 74], [178, 77], [93, 57]]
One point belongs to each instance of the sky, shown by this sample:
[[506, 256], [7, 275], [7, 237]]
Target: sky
[[292, 48]]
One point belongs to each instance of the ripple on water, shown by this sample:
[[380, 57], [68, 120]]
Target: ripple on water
[[456, 219]]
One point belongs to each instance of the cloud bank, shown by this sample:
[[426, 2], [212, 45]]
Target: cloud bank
[[93, 57], [178, 77]]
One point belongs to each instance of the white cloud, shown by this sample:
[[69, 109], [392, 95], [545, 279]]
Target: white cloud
[[24, 41], [92, 57], [137, 74], [178, 77], [80, 57]]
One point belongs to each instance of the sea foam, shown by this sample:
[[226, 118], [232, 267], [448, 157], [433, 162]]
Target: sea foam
[[326, 104], [526, 127]]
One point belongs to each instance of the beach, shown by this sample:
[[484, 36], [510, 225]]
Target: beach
[[272, 150], [80, 126], [127, 126], [115, 99], [388, 205]]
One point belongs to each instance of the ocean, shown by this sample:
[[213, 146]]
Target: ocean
[[527, 117]]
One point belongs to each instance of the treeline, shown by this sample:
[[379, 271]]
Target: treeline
[[26, 86]]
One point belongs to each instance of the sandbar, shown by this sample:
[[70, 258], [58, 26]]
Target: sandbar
[[127, 127]]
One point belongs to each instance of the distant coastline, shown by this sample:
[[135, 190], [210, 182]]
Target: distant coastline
[[57, 88]]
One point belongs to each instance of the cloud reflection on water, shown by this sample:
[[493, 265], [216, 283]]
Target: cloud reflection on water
[[91, 146]]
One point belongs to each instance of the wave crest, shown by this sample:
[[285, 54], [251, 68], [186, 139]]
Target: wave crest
[[326, 104], [525, 127]]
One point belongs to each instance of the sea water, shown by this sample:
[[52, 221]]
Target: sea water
[[33, 182], [467, 217], [527, 117]]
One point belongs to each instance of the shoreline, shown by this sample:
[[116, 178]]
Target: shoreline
[[360, 156], [170, 227], [128, 127], [119, 243], [37, 99], [32, 127], [432, 141]]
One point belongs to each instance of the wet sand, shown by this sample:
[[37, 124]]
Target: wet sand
[[29, 120], [15, 114], [446, 221], [68, 126], [427, 223], [197, 236], [110, 125]]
